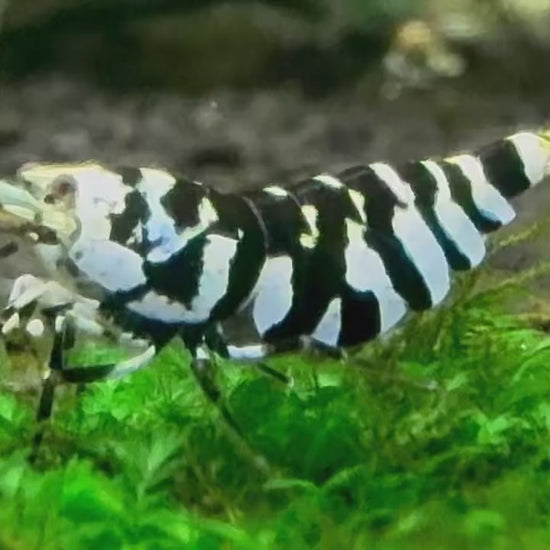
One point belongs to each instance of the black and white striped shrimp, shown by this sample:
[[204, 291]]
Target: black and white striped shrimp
[[333, 261]]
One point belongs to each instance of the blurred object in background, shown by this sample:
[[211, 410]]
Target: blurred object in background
[[533, 16], [189, 45], [418, 56], [497, 27], [317, 46]]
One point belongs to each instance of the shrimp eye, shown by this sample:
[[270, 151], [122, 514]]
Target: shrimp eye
[[60, 189]]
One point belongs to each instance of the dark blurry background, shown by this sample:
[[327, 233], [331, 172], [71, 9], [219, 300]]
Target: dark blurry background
[[240, 92]]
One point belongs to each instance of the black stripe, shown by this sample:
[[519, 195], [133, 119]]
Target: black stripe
[[504, 168], [461, 192], [124, 224], [157, 332], [318, 271], [131, 175], [284, 223], [178, 277], [182, 203], [280, 225], [325, 264], [121, 298], [236, 215], [424, 186], [380, 204], [282, 219], [360, 317]]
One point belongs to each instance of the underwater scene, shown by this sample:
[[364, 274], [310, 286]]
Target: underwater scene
[[274, 274]]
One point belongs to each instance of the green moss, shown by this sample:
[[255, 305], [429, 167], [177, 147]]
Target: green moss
[[438, 438]]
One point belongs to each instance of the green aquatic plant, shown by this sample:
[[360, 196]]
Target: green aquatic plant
[[437, 437]]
